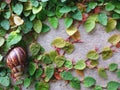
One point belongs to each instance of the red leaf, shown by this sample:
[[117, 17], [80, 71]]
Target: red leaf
[[57, 75], [84, 17], [97, 10], [8, 1], [118, 45]]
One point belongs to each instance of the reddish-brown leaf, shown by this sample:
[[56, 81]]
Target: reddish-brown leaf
[[8, 1], [80, 72], [76, 36], [118, 45], [97, 10], [57, 75]]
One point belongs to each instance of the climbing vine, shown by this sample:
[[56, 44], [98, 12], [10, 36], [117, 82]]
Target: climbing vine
[[22, 21]]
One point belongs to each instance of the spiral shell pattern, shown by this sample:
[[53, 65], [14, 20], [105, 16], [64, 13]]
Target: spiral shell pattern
[[16, 60]]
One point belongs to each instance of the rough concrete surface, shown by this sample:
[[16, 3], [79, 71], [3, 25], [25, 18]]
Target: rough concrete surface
[[98, 38]]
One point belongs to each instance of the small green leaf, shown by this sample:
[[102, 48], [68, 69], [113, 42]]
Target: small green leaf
[[92, 5], [97, 87], [65, 9], [45, 28], [102, 73], [58, 42], [114, 39], [107, 53], [113, 67], [52, 55], [46, 59], [34, 48], [38, 73], [32, 68], [37, 26], [68, 22], [77, 15], [111, 25], [5, 81], [71, 30], [27, 82], [102, 18], [118, 73], [75, 83], [113, 85], [90, 23], [68, 64], [80, 65], [93, 55], [1, 57], [109, 7], [53, 21], [2, 40], [59, 61], [66, 75], [5, 24], [13, 38], [36, 10], [49, 71], [42, 86], [89, 81], [16, 88], [18, 8], [69, 48]]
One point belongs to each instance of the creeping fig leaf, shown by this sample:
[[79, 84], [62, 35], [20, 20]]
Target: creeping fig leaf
[[114, 39], [71, 30], [93, 55], [102, 73], [80, 65], [66, 75]]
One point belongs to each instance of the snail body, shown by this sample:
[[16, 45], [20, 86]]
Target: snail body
[[16, 61]]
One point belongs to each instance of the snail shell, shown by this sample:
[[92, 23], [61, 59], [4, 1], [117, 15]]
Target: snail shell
[[16, 60]]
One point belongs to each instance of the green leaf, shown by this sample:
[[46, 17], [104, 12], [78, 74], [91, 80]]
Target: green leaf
[[102, 73], [16, 88], [68, 64], [71, 30], [59, 61], [114, 39], [37, 26], [75, 83], [93, 55], [42, 86], [92, 5], [2, 40], [58, 42], [77, 15], [5, 24], [2, 32], [27, 82], [45, 28], [111, 25], [97, 87], [80, 65], [107, 53], [46, 59], [18, 8], [65, 9], [69, 48], [102, 18], [113, 85], [68, 22], [90, 23], [38, 73], [113, 67], [89, 81], [34, 48], [53, 21], [109, 7], [118, 73], [13, 38], [66, 75], [49, 71], [36, 10], [32, 68], [7, 15], [52, 55], [5, 81]]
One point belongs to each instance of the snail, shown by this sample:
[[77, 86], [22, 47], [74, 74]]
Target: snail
[[16, 61]]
